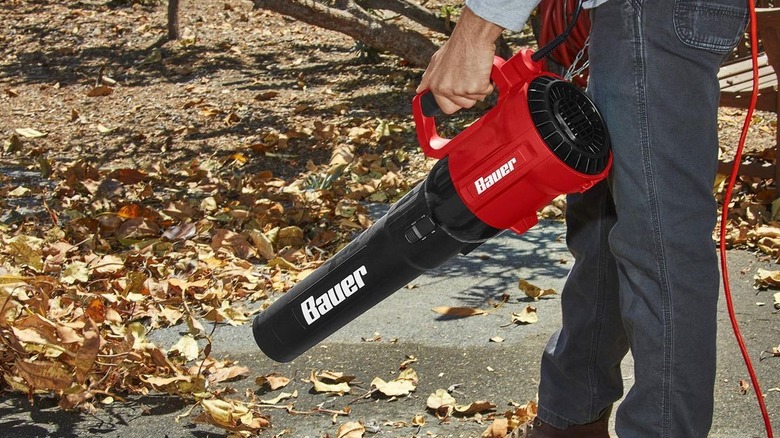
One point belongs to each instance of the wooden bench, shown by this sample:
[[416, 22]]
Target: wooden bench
[[736, 85]]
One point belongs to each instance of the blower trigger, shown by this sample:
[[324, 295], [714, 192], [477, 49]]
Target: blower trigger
[[419, 230]]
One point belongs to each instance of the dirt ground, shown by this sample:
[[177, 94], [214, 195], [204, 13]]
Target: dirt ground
[[237, 80]]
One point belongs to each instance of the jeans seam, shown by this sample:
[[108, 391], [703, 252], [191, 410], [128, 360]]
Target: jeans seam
[[654, 208], [600, 291]]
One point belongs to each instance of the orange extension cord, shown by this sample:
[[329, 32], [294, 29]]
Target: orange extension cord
[[555, 17]]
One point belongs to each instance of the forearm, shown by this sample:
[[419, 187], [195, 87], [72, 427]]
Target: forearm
[[508, 14], [474, 29]]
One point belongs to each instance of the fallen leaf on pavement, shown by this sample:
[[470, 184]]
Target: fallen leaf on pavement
[[533, 291], [353, 429], [458, 312]]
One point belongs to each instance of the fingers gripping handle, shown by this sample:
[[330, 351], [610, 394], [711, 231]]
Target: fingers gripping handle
[[430, 108], [425, 108]]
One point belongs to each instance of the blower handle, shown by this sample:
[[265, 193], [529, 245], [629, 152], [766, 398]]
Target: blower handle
[[425, 109]]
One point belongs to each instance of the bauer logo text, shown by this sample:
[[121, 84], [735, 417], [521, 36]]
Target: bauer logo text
[[484, 183], [313, 308]]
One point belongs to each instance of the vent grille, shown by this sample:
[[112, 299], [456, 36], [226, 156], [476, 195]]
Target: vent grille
[[570, 124]]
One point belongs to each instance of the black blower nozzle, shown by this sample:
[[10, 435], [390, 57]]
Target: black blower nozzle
[[424, 229]]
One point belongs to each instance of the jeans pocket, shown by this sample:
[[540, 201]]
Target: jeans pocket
[[714, 25]]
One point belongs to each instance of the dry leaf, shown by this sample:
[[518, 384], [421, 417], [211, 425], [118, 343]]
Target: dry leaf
[[136, 211], [497, 429], [353, 429], [45, 375], [74, 272], [233, 416], [266, 95], [522, 415], [767, 279], [100, 91], [29, 133], [103, 129], [272, 381], [474, 408], [95, 309], [227, 373], [187, 347], [19, 192], [335, 386], [128, 176], [281, 397], [527, 316], [533, 291], [179, 232], [403, 385], [441, 402], [458, 312], [87, 354], [744, 386]]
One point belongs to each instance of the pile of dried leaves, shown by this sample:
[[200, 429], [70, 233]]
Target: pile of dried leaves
[[114, 254]]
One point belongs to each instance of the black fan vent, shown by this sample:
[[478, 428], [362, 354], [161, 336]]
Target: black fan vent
[[570, 124]]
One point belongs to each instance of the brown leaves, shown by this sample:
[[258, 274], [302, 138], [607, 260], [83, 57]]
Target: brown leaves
[[754, 218], [497, 429], [88, 353], [273, 381], [402, 385], [533, 291], [331, 382], [458, 312], [526, 316], [100, 91], [443, 404], [44, 375], [232, 415], [353, 429]]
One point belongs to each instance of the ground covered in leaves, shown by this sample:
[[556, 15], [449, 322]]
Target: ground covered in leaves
[[146, 183]]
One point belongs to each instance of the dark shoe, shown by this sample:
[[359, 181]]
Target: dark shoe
[[539, 429]]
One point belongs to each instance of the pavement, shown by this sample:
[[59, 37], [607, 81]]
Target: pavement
[[449, 352]]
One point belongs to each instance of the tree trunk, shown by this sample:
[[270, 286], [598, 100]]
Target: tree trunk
[[411, 11], [347, 17], [173, 20]]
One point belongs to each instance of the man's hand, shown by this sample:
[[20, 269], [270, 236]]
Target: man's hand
[[459, 72]]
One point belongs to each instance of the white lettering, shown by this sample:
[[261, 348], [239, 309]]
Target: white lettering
[[335, 294], [323, 304], [348, 285], [484, 183], [310, 313], [313, 308]]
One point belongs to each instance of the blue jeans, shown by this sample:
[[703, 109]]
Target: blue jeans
[[645, 276]]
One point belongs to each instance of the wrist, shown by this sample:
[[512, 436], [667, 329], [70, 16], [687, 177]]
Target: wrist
[[476, 29]]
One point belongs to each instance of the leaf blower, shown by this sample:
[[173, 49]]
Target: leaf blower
[[544, 137]]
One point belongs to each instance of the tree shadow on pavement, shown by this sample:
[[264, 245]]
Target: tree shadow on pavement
[[45, 418]]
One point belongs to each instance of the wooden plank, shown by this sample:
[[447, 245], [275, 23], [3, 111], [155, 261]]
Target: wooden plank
[[742, 66], [765, 82], [746, 76]]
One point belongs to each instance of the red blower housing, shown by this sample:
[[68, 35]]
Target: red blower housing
[[543, 138]]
